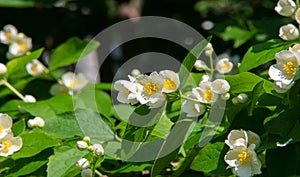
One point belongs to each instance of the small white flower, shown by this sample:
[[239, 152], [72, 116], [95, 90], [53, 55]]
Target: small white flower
[[243, 161], [200, 65], [220, 86], [285, 67], [242, 98], [98, 149], [171, 81], [81, 145], [8, 34], [224, 66], [35, 68], [288, 32], [242, 137], [86, 173], [128, 91], [204, 93], [29, 99], [135, 72], [10, 144], [297, 15], [193, 109], [20, 45], [285, 7], [74, 82], [5, 125], [151, 93], [3, 69], [82, 163]]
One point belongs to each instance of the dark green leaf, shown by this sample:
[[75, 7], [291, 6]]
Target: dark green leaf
[[71, 51], [258, 90], [238, 35]]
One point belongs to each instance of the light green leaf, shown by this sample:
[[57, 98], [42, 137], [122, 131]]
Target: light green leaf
[[258, 90], [71, 51], [17, 3], [28, 167], [16, 68], [262, 53], [64, 158], [162, 127], [33, 143], [238, 35], [210, 159]]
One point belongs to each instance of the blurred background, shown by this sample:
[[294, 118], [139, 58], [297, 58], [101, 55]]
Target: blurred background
[[234, 24]]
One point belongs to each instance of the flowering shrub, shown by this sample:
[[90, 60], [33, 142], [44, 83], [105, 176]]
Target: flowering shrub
[[210, 117]]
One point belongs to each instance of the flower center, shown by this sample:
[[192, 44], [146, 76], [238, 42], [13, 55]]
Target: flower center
[[1, 128], [73, 84], [150, 88], [34, 68], [289, 68], [8, 36], [208, 95], [225, 66], [169, 84], [244, 157], [23, 47], [6, 145], [126, 91]]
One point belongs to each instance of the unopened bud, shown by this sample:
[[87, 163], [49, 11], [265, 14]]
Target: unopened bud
[[235, 101], [29, 99], [200, 65], [98, 149], [225, 96], [242, 98], [3, 69], [87, 139], [90, 148], [82, 163], [31, 123], [81, 145], [135, 72], [86, 173], [39, 122]]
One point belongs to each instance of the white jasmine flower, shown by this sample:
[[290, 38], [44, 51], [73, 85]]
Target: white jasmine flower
[[82, 163], [135, 72], [128, 91], [8, 34], [241, 137], [74, 82], [81, 145], [224, 66], [285, 7], [86, 173], [29, 99], [253, 138], [288, 32], [5, 125], [98, 149], [35, 68], [242, 98], [297, 15], [10, 144], [280, 87], [192, 108], [243, 161], [151, 93], [20, 45], [285, 67], [171, 81], [220, 86], [58, 89], [200, 65], [3, 69], [204, 93]]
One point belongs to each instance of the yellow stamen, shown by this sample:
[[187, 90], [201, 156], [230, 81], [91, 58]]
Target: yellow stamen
[[8, 36], [34, 68], [208, 95], [1, 129], [289, 68], [225, 66], [169, 84], [127, 91], [6, 145], [245, 157], [23, 47], [73, 84], [150, 88]]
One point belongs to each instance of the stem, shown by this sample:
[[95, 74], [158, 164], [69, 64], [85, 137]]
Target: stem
[[211, 67], [98, 173], [188, 98], [10, 87]]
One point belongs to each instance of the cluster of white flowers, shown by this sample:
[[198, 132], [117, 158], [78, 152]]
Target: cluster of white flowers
[[287, 61], [241, 157], [8, 143], [97, 151], [147, 89], [18, 43]]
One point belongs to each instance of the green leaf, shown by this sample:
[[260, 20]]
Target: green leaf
[[17, 3], [162, 127], [245, 82], [28, 168], [16, 68], [18, 127], [210, 159], [258, 90], [93, 125], [64, 158], [297, 74], [33, 143], [238, 35], [11, 107], [189, 61], [261, 53], [71, 51]]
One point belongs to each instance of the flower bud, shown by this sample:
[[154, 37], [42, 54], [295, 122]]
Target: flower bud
[[208, 49], [39, 122], [82, 163], [29, 99], [242, 98], [87, 139], [31, 123], [98, 149], [205, 78], [225, 96], [86, 173], [235, 101], [200, 65], [135, 72], [285, 7], [90, 148], [3, 69], [82, 145]]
